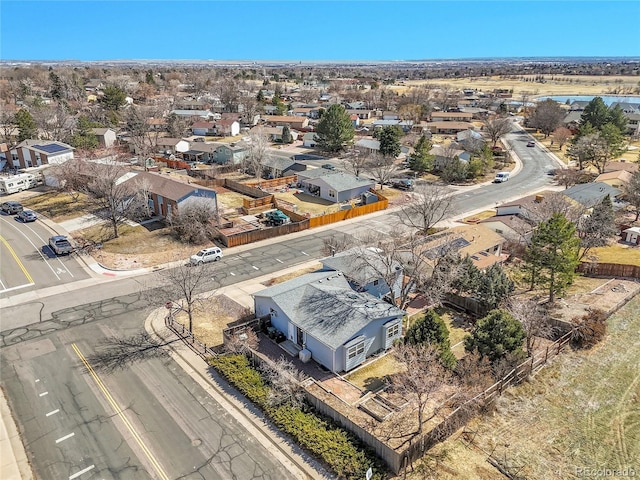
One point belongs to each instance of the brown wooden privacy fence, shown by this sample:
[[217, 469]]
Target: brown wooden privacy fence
[[210, 182], [245, 189], [274, 182], [397, 460], [609, 269], [256, 205], [243, 238], [381, 204], [466, 411]]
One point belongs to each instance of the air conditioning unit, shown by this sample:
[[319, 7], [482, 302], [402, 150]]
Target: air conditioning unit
[[304, 355]]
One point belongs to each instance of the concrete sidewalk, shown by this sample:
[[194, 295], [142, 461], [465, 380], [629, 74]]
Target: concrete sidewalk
[[14, 464], [296, 461]]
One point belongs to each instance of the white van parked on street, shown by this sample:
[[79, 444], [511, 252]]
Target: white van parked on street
[[501, 177]]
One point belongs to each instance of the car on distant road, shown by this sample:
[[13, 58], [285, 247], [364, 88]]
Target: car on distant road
[[328, 166], [531, 144], [27, 216], [11, 208], [206, 255]]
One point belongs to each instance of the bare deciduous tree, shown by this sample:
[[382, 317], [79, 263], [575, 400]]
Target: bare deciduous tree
[[183, 283], [117, 199], [561, 135], [534, 319], [285, 381], [422, 379], [355, 162], [258, 152], [430, 204], [71, 177], [381, 168], [497, 127], [242, 341], [195, 221]]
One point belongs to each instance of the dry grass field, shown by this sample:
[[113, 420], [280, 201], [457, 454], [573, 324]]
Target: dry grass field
[[59, 206], [554, 84], [582, 411]]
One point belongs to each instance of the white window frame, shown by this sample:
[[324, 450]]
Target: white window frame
[[393, 330], [355, 350]]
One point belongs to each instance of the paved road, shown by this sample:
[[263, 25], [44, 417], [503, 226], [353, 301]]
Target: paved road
[[148, 420], [27, 263]]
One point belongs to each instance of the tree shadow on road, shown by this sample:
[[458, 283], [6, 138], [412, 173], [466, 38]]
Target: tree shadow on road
[[117, 353]]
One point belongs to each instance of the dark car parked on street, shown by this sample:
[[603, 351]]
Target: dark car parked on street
[[11, 208]]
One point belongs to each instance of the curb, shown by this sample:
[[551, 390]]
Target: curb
[[253, 421], [14, 464]]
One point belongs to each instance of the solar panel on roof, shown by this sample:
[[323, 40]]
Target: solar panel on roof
[[51, 148]]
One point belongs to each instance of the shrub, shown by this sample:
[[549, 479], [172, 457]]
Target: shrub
[[590, 328], [321, 437]]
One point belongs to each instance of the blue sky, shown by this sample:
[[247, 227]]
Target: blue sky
[[301, 30]]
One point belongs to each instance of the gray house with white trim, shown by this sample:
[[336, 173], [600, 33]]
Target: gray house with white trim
[[321, 314]]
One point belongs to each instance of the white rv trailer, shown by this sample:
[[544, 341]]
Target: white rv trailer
[[17, 183]]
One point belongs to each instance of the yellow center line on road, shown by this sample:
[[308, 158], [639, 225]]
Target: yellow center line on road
[[15, 257], [120, 413]]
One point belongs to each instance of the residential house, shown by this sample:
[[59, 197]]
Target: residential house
[[270, 109], [201, 152], [34, 153], [482, 244], [451, 116], [384, 123], [171, 146], [444, 155], [276, 167], [231, 153], [631, 167], [631, 235], [309, 140], [94, 85], [281, 120], [529, 207], [195, 115], [448, 127], [106, 136], [275, 133], [367, 270], [167, 195], [334, 186], [191, 104], [367, 145], [355, 120], [227, 127], [363, 114], [511, 227], [590, 194], [469, 139], [328, 321], [618, 179], [156, 124], [204, 129]]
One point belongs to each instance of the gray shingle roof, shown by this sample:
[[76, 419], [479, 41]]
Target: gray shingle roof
[[589, 194], [340, 181], [278, 163], [361, 265], [324, 305]]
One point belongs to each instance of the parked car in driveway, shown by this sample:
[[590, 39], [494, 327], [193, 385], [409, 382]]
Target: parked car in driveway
[[11, 208], [211, 254], [27, 216]]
